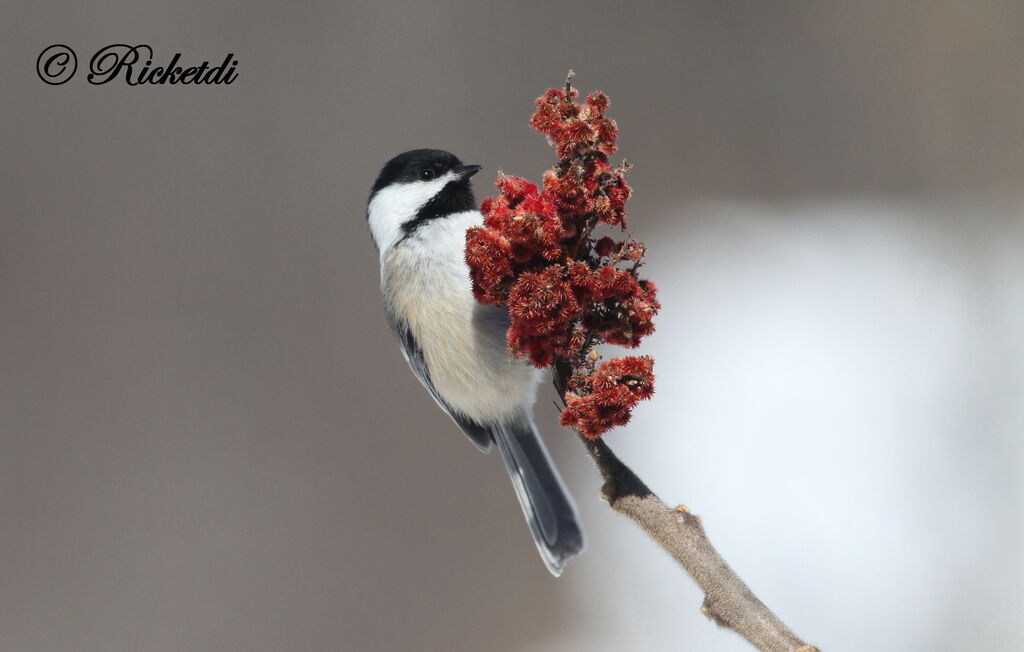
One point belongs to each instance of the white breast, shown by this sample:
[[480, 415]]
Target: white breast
[[426, 284]]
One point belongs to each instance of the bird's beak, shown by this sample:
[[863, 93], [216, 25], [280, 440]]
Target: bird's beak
[[468, 170]]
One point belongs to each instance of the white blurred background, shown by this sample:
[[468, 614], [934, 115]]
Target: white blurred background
[[209, 441], [845, 414]]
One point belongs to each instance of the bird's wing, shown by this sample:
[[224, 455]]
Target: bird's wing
[[548, 507], [477, 434]]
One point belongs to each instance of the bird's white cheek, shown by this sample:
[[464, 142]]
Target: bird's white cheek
[[398, 203]]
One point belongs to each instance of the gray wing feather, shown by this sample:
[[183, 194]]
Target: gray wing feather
[[477, 434], [547, 506]]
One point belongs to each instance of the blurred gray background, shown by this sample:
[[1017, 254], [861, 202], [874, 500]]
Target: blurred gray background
[[209, 442]]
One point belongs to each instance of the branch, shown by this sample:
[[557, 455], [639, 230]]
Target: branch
[[727, 599]]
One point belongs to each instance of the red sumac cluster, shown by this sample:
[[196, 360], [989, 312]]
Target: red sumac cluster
[[566, 289]]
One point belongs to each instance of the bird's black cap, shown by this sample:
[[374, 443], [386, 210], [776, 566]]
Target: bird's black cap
[[420, 165], [426, 166]]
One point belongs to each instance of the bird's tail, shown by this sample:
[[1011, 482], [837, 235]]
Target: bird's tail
[[548, 507]]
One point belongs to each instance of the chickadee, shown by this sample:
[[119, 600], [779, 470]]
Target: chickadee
[[418, 211]]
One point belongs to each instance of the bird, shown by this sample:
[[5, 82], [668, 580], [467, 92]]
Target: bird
[[418, 211]]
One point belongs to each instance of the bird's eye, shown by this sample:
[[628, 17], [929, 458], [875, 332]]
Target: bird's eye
[[426, 174]]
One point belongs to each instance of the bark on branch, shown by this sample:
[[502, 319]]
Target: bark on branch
[[727, 599]]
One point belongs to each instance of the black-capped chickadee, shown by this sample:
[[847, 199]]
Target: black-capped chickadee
[[418, 211]]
